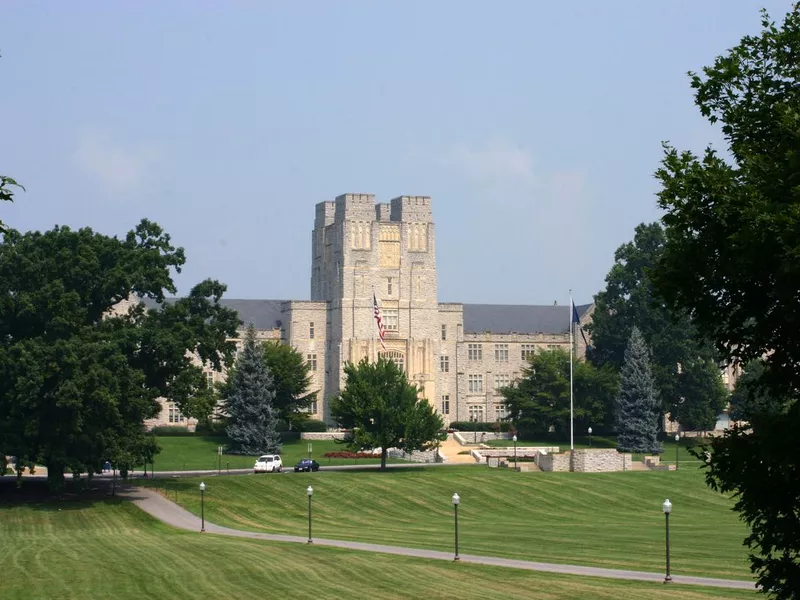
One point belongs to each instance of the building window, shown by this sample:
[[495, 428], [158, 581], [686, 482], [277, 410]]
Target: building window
[[475, 384], [502, 411], [174, 414], [312, 407], [552, 346], [444, 363], [501, 352], [389, 286], [501, 380], [311, 359], [311, 330], [444, 332], [396, 357], [475, 351], [476, 413], [391, 319], [528, 350], [446, 404], [210, 379]]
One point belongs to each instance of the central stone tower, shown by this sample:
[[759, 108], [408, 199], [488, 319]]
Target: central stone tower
[[359, 247]]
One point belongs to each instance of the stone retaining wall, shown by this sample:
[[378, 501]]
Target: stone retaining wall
[[323, 435], [554, 462], [600, 460], [428, 456]]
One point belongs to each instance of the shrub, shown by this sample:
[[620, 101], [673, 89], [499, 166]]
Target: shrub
[[311, 425], [171, 430], [345, 454], [480, 426], [212, 428]]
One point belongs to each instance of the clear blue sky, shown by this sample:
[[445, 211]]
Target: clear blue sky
[[535, 126]]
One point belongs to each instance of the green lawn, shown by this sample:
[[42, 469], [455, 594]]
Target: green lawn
[[113, 550], [603, 519], [180, 453]]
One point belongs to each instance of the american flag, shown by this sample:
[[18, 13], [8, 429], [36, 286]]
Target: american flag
[[378, 319]]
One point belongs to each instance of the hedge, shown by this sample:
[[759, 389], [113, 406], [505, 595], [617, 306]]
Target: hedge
[[346, 454], [171, 430], [480, 426], [311, 425]]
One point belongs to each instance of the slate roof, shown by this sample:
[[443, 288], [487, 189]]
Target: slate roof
[[478, 318], [264, 314], [505, 318]]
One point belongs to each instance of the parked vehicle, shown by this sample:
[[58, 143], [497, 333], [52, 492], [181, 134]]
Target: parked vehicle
[[306, 464], [269, 463]]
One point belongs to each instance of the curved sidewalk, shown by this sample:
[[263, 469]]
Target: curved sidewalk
[[170, 513]]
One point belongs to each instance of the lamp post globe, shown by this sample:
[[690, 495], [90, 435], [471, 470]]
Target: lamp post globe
[[677, 439], [456, 500], [590, 437], [667, 508]]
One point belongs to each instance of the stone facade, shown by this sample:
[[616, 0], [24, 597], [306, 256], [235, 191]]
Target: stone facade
[[459, 355]]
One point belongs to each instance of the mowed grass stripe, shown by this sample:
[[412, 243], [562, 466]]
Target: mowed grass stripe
[[113, 550], [606, 519]]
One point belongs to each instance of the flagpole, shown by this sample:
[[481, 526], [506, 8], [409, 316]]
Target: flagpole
[[571, 396]]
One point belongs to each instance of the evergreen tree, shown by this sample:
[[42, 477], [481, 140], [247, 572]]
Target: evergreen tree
[[252, 419], [638, 406]]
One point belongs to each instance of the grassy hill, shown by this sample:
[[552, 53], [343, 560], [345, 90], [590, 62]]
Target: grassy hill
[[604, 519], [110, 549]]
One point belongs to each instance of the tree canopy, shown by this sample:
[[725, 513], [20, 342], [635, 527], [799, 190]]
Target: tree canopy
[[252, 418], [538, 403], [383, 410], [685, 366], [731, 262], [77, 378], [291, 375]]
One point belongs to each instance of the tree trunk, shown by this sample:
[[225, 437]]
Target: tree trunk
[[384, 453], [55, 476]]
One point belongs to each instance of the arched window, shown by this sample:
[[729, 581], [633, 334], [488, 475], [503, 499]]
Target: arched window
[[396, 357]]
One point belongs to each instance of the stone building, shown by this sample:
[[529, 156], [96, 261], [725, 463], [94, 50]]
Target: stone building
[[459, 355]]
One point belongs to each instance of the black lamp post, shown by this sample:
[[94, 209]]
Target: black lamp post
[[590, 437], [310, 492], [515, 450], [202, 506], [456, 500], [677, 439], [667, 508]]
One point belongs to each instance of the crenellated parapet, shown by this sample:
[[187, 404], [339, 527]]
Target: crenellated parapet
[[411, 209]]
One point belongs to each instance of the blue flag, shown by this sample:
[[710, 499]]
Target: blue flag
[[576, 319]]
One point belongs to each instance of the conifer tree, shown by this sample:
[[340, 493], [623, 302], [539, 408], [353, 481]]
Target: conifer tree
[[252, 419], [638, 406]]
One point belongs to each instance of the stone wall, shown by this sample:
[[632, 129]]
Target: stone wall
[[323, 435], [429, 456], [599, 460], [554, 462]]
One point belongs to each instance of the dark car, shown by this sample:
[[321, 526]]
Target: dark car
[[307, 464]]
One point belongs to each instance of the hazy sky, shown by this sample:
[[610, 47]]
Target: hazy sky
[[534, 126]]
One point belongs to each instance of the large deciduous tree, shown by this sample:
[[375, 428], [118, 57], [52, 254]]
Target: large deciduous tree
[[637, 405], [252, 418], [732, 260], [77, 378], [538, 403], [291, 375], [383, 410], [685, 368]]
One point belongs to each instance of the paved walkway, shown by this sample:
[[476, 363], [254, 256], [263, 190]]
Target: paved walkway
[[451, 448], [172, 514]]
